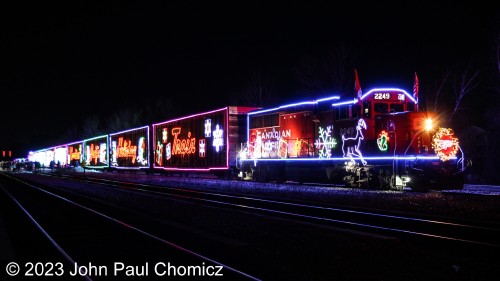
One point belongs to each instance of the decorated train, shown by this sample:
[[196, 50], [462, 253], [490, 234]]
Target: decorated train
[[377, 140]]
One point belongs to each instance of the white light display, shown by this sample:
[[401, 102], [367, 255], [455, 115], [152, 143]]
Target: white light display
[[168, 151], [218, 138], [61, 155], [114, 160], [201, 149], [325, 142], [208, 128], [141, 154], [350, 146], [102, 153]]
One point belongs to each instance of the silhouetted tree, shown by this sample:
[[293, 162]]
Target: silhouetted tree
[[492, 115], [258, 92], [464, 83], [72, 134], [439, 88], [91, 127], [157, 109], [327, 75], [123, 119], [450, 90]]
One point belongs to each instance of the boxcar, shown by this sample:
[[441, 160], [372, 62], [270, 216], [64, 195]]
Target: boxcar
[[95, 152], [130, 149], [204, 142]]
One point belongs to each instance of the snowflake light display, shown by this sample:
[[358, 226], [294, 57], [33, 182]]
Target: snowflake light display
[[325, 142], [218, 141]]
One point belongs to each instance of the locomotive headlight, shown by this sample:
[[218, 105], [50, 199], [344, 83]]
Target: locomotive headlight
[[428, 124]]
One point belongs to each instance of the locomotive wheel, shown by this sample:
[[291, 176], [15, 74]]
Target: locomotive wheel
[[384, 182]]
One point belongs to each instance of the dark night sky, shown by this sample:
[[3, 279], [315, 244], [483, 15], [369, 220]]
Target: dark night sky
[[62, 62]]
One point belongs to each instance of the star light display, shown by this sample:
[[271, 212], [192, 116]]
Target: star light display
[[445, 144]]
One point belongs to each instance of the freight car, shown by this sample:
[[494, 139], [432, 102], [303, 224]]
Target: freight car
[[129, 149], [377, 140], [57, 156], [204, 142], [96, 153]]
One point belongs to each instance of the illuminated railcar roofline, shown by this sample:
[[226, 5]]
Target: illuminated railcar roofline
[[75, 142], [328, 98], [94, 138], [388, 89], [49, 148], [191, 116], [345, 103], [42, 150], [130, 130], [54, 147], [295, 104], [375, 90]]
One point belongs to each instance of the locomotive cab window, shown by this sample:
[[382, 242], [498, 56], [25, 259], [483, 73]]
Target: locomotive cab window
[[410, 106], [366, 109], [380, 107], [397, 107]]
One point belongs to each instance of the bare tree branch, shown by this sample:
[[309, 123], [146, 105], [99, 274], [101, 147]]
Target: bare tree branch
[[462, 86], [91, 127], [440, 87], [333, 74], [123, 119], [258, 92], [308, 74], [338, 68]]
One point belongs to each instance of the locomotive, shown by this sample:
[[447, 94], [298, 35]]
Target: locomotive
[[377, 140]]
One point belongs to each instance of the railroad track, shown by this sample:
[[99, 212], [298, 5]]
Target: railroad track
[[480, 234], [88, 244], [455, 237]]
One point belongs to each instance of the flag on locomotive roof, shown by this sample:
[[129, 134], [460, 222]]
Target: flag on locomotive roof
[[415, 88], [357, 86], [415, 91]]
